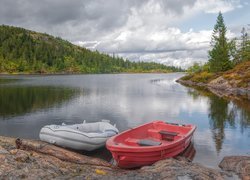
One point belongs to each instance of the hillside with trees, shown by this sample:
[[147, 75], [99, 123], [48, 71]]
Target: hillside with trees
[[25, 51]]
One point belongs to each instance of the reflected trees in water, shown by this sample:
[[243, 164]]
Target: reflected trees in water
[[223, 113], [219, 115], [17, 100]]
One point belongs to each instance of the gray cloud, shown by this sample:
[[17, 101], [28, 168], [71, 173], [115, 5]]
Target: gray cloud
[[176, 6], [180, 58], [138, 30], [100, 15], [60, 15]]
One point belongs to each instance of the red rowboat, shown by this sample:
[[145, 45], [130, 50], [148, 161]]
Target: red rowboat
[[149, 143]]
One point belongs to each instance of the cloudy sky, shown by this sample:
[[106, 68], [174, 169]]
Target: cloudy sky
[[174, 32]]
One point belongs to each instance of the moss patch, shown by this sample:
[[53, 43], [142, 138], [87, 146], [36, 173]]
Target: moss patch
[[203, 77]]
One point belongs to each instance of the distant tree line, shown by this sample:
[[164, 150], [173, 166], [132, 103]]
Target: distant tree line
[[22, 50], [224, 54]]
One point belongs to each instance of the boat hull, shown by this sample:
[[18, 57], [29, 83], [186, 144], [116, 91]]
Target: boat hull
[[138, 159], [78, 142], [137, 156], [86, 136]]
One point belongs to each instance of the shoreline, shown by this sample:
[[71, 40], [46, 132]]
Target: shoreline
[[66, 73], [233, 84], [28, 159], [218, 88]]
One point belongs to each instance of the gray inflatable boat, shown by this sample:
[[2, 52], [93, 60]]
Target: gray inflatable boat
[[85, 136]]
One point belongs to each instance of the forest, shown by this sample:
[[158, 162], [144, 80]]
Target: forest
[[25, 51]]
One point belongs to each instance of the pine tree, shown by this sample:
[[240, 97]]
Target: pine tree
[[245, 46], [219, 55]]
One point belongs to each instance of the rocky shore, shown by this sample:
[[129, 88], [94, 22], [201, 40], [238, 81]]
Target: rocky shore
[[221, 87], [33, 159], [234, 83]]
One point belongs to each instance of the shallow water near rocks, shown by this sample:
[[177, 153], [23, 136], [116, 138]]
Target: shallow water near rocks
[[27, 103]]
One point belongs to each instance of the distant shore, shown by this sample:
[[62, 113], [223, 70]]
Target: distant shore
[[79, 73]]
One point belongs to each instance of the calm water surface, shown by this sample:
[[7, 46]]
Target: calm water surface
[[29, 102]]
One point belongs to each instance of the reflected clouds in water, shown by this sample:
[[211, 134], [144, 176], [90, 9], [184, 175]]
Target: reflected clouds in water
[[129, 100]]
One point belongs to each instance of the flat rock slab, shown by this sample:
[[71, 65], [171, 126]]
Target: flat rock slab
[[237, 164], [38, 160], [174, 169]]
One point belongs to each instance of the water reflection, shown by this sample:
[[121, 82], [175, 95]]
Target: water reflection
[[4, 81], [223, 113], [128, 100], [18, 100], [219, 116], [189, 152], [244, 113]]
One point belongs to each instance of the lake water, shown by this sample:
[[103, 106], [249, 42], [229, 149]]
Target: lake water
[[29, 102]]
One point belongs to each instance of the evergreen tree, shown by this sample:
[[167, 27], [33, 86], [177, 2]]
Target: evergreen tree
[[234, 52], [219, 55], [245, 46]]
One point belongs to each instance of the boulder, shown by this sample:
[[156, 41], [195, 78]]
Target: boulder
[[237, 164]]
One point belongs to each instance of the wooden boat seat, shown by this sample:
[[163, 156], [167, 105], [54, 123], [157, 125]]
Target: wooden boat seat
[[167, 135], [148, 142]]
